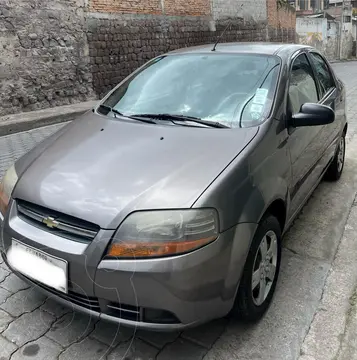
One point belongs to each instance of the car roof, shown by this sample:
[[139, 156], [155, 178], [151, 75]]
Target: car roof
[[282, 50]]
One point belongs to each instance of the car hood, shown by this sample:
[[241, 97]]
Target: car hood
[[99, 169]]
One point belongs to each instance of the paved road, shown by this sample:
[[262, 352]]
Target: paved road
[[35, 327]]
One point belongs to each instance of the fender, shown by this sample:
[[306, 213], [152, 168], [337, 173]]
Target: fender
[[252, 182]]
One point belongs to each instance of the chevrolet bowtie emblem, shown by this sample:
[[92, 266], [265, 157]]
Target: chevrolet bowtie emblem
[[50, 222]]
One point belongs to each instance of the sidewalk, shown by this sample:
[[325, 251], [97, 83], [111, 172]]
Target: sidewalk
[[30, 120], [333, 333]]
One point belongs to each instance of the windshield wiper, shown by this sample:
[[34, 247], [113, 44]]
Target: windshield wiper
[[116, 112], [173, 117]]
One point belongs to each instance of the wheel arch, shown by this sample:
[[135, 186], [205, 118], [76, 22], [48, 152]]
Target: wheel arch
[[278, 209]]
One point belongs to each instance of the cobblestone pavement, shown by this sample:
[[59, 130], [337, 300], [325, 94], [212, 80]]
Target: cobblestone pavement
[[35, 327]]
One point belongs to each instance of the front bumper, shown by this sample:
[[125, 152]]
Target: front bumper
[[158, 294]]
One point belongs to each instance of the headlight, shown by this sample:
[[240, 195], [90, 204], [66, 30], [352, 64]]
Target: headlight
[[164, 233], [6, 187]]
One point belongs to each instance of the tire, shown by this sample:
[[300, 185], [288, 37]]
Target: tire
[[250, 304], [335, 169]]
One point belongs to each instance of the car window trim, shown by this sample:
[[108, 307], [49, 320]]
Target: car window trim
[[286, 97], [317, 81], [329, 92]]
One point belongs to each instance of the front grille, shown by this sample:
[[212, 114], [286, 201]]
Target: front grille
[[57, 223]]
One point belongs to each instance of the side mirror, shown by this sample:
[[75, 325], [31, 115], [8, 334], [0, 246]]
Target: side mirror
[[313, 115]]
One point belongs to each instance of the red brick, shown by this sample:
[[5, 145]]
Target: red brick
[[187, 7], [126, 6], [281, 17]]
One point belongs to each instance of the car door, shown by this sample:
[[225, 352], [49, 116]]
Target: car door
[[330, 96], [305, 143]]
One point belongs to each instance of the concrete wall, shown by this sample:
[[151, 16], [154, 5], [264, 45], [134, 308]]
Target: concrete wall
[[347, 46], [62, 51], [331, 45], [325, 36], [44, 58], [247, 9]]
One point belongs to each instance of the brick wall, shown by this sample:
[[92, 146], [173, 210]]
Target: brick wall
[[126, 6], [281, 17], [153, 7], [281, 22], [186, 7]]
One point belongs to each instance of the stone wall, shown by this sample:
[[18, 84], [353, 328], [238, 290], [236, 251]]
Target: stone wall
[[64, 51], [44, 59], [120, 44]]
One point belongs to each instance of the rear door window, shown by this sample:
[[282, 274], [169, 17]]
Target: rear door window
[[324, 75]]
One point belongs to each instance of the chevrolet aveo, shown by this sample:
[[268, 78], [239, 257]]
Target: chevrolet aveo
[[164, 206]]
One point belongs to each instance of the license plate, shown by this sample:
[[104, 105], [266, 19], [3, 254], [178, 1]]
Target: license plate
[[39, 266]]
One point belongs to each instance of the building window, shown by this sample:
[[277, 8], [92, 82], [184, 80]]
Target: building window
[[346, 19], [303, 4]]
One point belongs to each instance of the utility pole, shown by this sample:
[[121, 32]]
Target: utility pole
[[345, 14]]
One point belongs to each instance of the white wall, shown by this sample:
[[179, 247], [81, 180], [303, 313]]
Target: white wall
[[311, 28], [248, 9], [325, 36]]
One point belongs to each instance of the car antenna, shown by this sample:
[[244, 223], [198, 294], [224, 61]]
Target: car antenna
[[220, 36]]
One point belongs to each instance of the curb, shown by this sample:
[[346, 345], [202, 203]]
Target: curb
[[14, 123], [342, 61]]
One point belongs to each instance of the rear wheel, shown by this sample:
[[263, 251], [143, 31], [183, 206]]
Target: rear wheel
[[335, 169], [260, 273]]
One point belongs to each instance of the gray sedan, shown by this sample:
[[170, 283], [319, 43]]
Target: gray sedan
[[164, 206]]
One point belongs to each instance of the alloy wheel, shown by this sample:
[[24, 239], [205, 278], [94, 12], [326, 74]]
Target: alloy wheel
[[264, 268]]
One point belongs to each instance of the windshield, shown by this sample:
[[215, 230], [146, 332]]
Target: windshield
[[231, 89]]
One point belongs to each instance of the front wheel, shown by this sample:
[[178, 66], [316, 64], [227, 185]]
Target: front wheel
[[335, 169], [260, 273]]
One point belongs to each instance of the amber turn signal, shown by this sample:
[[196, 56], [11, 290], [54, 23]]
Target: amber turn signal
[[155, 249]]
